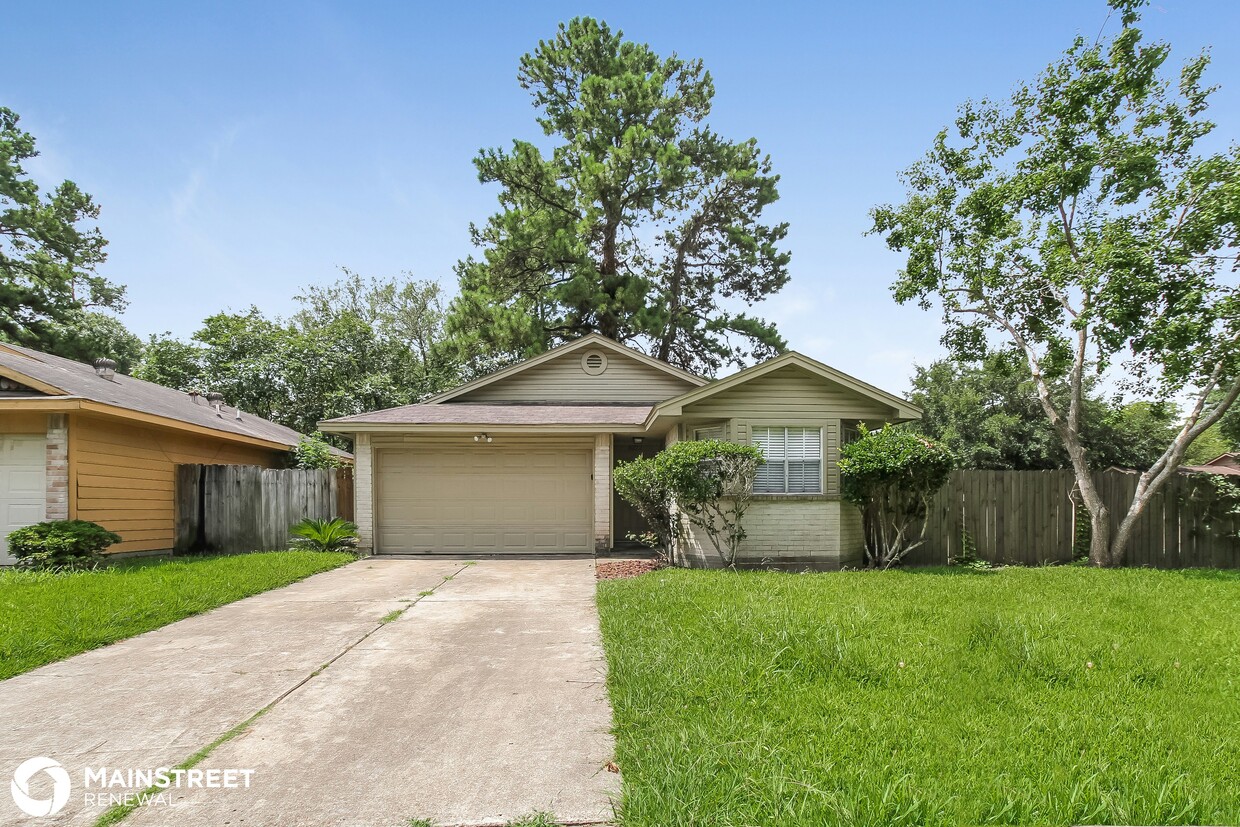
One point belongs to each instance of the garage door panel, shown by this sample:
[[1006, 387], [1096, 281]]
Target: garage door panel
[[22, 485], [484, 498]]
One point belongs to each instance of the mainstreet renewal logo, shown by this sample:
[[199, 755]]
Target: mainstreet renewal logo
[[40, 806], [107, 787]]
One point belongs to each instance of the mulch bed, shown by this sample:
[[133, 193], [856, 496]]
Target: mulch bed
[[615, 569]]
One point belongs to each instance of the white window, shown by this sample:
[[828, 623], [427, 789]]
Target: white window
[[711, 432], [793, 460]]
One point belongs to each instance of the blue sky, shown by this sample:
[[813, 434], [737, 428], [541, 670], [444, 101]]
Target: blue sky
[[241, 151]]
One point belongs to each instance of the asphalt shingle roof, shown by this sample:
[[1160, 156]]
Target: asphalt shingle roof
[[80, 381]]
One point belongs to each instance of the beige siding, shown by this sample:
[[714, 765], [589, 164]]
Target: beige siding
[[563, 379], [785, 395], [789, 396], [122, 475]]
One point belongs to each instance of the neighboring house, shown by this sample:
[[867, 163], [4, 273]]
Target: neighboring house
[[78, 442], [1223, 464], [520, 461]]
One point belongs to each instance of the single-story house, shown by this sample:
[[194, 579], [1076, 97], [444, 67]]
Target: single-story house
[[520, 461], [80, 442]]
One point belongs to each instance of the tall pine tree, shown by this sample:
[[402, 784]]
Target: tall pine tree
[[48, 256], [636, 221]]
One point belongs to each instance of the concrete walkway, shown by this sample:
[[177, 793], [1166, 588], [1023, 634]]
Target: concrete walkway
[[482, 702]]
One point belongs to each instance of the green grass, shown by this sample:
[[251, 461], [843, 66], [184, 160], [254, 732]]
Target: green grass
[[46, 617], [761, 698]]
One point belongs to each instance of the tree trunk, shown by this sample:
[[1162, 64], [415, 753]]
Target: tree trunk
[[1100, 551], [608, 322]]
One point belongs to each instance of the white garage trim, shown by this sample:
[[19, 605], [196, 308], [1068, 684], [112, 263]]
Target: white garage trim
[[23, 486], [508, 496]]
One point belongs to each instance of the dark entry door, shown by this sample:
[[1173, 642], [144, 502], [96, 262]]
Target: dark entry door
[[625, 518]]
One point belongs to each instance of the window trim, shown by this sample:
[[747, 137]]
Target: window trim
[[822, 461]]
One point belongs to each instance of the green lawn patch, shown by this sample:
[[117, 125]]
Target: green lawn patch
[[46, 617], [1049, 696]]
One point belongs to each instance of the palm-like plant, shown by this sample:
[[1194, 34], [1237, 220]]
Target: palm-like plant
[[324, 535]]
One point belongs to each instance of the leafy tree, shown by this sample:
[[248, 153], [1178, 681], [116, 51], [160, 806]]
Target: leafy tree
[[1081, 221], [638, 223], [1228, 427], [48, 253], [354, 346], [313, 451], [86, 335], [172, 363], [987, 413], [1211, 444], [891, 476], [711, 482]]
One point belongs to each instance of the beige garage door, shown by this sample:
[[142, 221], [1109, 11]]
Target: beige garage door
[[483, 499]]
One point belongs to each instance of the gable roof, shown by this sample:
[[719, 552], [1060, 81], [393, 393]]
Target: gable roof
[[589, 340], [902, 408], [56, 381]]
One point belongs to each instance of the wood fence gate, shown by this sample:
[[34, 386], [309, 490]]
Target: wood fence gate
[[1031, 517], [238, 508]]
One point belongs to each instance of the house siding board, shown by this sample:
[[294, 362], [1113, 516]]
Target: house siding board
[[563, 380], [21, 422], [788, 394], [123, 476]]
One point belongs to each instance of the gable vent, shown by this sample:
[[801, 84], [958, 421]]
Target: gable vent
[[594, 363]]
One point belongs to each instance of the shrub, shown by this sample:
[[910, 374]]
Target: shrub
[[639, 483], [711, 482], [324, 535], [61, 544], [314, 452], [891, 475]]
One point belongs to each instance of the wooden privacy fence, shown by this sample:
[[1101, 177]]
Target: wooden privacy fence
[[239, 508], [1030, 518]]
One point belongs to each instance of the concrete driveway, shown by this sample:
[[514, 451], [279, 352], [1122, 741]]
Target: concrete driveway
[[480, 702]]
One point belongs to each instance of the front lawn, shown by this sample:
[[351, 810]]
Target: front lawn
[[1049, 696], [45, 617]]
